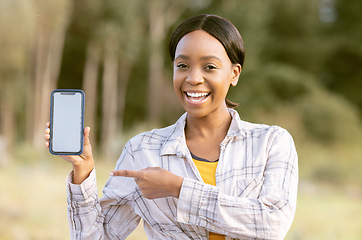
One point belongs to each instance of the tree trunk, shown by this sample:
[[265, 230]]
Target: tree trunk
[[90, 77], [49, 49], [109, 106], [155, 62], [124, 77], [40, 62]]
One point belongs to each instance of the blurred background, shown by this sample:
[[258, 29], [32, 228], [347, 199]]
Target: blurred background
[[302, 72]]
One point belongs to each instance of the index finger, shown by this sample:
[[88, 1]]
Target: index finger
[[126, 173]]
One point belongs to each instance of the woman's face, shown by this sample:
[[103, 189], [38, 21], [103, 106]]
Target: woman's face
[[202, 74]]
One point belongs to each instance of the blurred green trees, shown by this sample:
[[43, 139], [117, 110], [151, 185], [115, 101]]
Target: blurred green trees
[[302, 70]]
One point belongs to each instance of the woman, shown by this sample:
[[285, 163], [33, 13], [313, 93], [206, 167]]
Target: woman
[[208, 176]]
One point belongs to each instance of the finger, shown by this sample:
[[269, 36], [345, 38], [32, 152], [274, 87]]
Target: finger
[[151, 169], [86, 135], [47, 137], [126, 173]]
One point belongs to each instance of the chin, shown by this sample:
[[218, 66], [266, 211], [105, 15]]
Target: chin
[[197, 113]]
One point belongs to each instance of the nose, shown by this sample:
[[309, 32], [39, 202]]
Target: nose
[[195, 77]]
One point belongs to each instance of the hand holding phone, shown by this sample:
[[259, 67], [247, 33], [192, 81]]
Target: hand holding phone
[[82, 164], [81, 156]]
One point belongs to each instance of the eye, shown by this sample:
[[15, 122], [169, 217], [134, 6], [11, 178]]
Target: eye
[[181, 65], [210, 67]]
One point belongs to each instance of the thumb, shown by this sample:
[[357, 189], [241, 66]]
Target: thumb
[[86, 135], [148, 169]]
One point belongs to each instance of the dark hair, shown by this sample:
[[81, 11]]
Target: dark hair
[[218, 27]]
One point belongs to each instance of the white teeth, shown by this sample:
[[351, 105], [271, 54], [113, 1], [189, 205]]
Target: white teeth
[[196, 95]]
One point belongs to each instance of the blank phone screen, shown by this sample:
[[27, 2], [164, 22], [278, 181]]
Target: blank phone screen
[[67, 123]]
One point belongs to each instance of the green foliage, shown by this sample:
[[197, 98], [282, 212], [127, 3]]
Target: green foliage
[[16, 25], [329, 118], [325, 116], [343, 72]]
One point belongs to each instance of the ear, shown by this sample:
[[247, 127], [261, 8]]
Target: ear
[[236, 71]]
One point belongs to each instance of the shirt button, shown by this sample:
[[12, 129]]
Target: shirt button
[[186, 219]]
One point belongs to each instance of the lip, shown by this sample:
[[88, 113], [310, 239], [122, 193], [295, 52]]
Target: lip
[[196, 97]]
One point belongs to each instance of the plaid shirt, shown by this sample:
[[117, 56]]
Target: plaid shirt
[[254, 197]]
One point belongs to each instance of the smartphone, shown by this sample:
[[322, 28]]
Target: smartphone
[[66, 122]]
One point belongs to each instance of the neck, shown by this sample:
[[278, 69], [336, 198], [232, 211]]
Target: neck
[[209, 126]]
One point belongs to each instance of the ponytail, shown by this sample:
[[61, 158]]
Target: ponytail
[[230, 104]]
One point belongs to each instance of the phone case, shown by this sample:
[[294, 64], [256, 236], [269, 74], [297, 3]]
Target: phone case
[[52, 119]]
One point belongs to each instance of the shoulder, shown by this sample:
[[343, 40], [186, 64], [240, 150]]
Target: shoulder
[[255, 129], [274, 139], [271, 133], [261, 129]]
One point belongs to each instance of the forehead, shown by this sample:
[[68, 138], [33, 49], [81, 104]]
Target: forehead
[[200, 43]]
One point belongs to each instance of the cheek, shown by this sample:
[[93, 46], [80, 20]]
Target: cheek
[[177, 84], [221, 84], [222, 91], [174, 80], [177, 79]]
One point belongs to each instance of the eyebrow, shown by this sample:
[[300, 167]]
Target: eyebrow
[[202, 58], [182, 57]]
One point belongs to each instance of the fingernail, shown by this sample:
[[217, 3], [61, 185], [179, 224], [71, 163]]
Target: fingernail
[[111, 174]]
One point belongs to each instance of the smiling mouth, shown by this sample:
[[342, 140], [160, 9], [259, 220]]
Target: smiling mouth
[[197, 97]]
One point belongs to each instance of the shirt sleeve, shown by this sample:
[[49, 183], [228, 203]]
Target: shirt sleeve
[[267, 216], [112, 216]]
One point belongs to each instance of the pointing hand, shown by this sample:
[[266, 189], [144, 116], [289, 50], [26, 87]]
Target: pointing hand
[[154, 182]]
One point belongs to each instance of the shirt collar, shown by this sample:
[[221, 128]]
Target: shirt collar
[[176, 142], [236, 126]]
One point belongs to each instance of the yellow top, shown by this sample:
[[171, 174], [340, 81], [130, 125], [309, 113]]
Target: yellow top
[[207, 171]]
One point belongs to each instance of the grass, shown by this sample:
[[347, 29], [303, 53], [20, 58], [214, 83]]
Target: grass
[[33, 200], [33, 205], [324, 212]]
